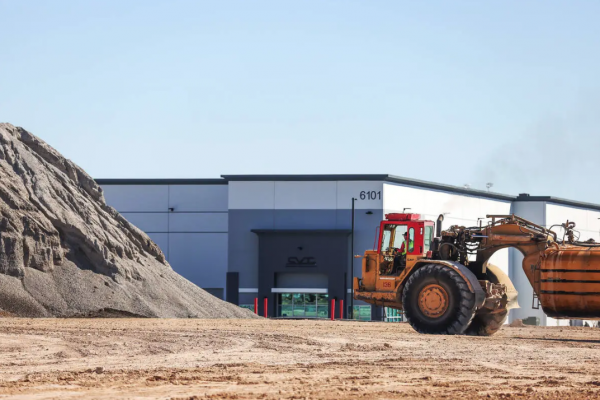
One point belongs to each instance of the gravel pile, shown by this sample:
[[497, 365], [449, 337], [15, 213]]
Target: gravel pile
[[64, 252]]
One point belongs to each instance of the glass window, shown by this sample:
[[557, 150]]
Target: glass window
[[298, 299], [298, 311], [322, 311], [411, 240], [385, 240], [398, 237], [287, 311], [322, 299], [393, 315], [428, 238], [362, 313], [285, 299], [308, 305], [322, 305]]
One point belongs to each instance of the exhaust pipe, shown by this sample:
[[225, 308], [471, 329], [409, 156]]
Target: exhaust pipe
[[438, 226]]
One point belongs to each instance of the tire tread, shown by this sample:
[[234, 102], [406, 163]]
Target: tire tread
[[466, 304]]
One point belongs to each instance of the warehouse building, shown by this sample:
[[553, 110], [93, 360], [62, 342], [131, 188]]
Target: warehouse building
[[288, 238]]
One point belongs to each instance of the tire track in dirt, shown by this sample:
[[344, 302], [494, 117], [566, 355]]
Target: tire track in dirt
[[237, 359]]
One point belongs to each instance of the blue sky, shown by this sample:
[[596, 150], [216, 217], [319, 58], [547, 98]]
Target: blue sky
[[447, 91]]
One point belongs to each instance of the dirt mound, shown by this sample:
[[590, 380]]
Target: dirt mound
[[517, 323], [65, 252]]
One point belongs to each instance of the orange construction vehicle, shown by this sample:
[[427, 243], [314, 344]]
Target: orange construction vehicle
[[445, 284]]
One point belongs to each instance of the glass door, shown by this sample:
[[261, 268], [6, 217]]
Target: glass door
[[303, 305]]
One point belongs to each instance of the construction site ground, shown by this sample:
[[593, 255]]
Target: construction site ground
[[279, 359]]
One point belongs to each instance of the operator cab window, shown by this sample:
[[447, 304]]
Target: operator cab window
[[428, 238], [385, 240], [398, 237], [411, 240]]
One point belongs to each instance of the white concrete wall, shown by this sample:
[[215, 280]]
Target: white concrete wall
[[193, 236], [587, 221], [459, 209]]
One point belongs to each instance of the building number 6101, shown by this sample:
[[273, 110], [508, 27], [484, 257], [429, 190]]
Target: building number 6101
[[372, 195]]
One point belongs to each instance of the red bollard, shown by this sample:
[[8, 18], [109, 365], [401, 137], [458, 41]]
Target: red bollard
[[266, 307], [332, 309], [342, 309], [256, 305]]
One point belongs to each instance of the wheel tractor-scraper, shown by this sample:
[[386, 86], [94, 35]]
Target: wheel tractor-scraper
[[445, 284]]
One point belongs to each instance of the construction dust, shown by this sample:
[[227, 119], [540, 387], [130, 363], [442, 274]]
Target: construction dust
[[64, 252], [517, 323]]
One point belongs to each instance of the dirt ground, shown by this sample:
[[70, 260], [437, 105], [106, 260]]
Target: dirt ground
[[249, 359]]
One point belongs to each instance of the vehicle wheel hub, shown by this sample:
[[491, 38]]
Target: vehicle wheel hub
[[433, 301]]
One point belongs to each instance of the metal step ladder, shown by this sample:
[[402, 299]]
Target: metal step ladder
[[535, 301]]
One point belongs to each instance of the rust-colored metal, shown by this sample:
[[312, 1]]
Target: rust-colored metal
[[568, 284], [433, 300], [496, 295], [564, 275]]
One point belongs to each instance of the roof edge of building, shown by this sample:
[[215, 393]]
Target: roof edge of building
[[448, 188], [558, 200], [312, 178], [225, 179], [208, 181]]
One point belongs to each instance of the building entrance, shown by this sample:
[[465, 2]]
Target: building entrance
[[300, 271], [302, 305]]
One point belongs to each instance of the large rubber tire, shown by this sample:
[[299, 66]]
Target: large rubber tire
[[460, 309], [487, 324]]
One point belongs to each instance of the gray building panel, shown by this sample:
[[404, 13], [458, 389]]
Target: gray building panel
[[200, 257], [162, 240], [247, 298], [365, 229], [151, 198], [288, 280], [198, 198], [217, 292], [243, 244], [193, 236], [198, 222], [305, 219], [149, 222]]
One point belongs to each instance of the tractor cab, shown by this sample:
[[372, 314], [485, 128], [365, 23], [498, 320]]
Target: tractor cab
[[407, 271], [403, 239]]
